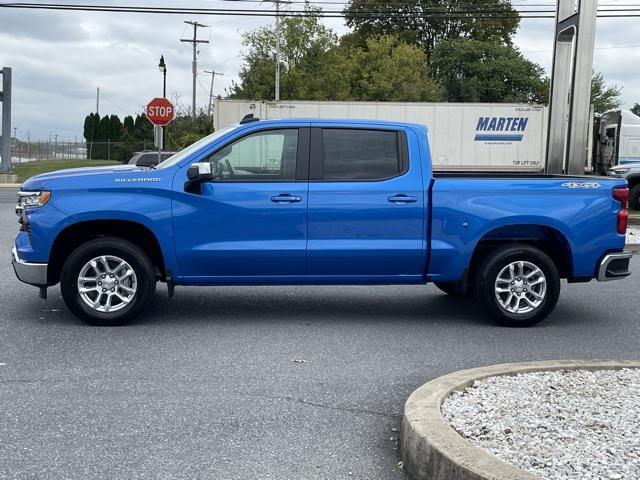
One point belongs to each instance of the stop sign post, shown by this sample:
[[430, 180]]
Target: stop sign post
[[160, 112]]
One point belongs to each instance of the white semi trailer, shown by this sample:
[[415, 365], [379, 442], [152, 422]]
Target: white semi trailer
[[463, 136]]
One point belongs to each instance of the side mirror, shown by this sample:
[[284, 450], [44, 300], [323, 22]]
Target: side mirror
[[199, 172], [196, 174]]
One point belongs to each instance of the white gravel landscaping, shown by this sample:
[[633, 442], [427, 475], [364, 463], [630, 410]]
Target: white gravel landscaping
[[571, 424], [633, 235]]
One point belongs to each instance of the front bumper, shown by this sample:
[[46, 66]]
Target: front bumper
[[31, 273], [614, 266]]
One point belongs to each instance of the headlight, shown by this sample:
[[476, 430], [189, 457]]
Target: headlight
[[32, 199]]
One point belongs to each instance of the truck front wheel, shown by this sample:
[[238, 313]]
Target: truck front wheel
[[108, 281], [518, 285]]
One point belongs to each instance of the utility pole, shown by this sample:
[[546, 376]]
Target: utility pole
[[194, 68], [5, 96], [98, 101], [277, 94], [213, 74]]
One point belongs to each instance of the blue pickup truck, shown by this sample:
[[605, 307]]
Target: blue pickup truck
[[316, 202]]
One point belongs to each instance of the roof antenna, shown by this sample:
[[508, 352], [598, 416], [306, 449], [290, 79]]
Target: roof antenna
[[249, 118]]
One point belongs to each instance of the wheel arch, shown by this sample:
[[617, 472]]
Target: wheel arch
[[548, 239], [76, 234]]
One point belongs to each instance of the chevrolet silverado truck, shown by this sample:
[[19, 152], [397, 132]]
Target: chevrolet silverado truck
[[290, 202]]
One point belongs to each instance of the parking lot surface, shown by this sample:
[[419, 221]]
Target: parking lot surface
[[256, 382]]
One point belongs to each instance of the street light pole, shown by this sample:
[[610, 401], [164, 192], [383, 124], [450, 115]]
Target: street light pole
[[163, 69]]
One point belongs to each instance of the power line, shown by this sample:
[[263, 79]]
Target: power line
[[391, 5], [451, 14]]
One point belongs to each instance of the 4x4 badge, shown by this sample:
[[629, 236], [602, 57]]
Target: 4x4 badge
[[581, 185]]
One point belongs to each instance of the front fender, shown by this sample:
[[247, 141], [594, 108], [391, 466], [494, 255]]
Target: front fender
[[138, 205]]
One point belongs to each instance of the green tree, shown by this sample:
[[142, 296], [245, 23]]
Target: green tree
[[90, 126], [184, 130], [636, 109], [385, 69], [305, 42], [142, 129], [484, 71], [604, 97], [428, 22], [315, 67], [115, 129], [127, 125]]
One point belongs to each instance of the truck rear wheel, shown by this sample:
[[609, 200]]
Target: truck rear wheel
[[108, 281], [518, 285]]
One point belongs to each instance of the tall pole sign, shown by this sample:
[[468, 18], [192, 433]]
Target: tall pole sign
[[570, 96], [5, 97]]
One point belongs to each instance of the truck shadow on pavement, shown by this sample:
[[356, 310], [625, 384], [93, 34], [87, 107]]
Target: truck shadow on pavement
[[312, 304]]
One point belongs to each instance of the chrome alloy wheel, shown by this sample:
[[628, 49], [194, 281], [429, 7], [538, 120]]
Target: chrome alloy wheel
[[107, 283], [520, 287]]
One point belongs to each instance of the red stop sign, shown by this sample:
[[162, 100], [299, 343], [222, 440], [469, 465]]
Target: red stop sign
[[160, 111]]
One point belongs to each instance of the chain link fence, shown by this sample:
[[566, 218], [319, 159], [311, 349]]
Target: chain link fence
[[35, 151]]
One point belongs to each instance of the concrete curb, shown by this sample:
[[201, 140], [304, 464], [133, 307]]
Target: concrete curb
[[432, 450], [10, 185]]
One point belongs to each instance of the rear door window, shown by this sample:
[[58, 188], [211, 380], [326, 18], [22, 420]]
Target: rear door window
[[359, 154]]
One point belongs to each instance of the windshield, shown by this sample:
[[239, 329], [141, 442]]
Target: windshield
[[194, 147]]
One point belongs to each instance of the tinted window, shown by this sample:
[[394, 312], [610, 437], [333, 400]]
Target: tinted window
[[360, 154], [268, 155]]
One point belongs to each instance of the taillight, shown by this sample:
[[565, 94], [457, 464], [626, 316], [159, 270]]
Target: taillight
[[622, 195]]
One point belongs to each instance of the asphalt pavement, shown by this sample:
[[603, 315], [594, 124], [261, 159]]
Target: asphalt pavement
[[256, 382]]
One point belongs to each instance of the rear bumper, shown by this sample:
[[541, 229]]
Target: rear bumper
[[614, 266], [31, 273]]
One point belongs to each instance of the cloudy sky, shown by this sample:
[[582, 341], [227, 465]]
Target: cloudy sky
[[59, 58]]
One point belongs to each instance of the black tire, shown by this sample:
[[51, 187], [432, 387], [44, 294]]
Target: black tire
[[453, 289], [634, 197], [491, 267], [116, 247]]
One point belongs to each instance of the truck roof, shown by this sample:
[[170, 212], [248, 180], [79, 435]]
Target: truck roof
[[337, 121]]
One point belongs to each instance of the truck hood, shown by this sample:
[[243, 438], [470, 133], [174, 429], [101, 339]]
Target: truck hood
[[49, 180]]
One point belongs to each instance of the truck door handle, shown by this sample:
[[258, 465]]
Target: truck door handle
[[402, 199], [286, 198]]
